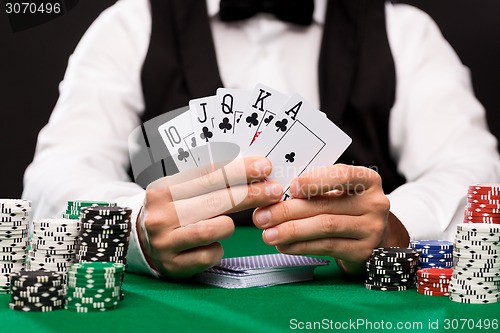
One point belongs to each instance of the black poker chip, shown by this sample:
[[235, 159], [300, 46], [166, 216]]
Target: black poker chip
[[385, 288], [28, 308]]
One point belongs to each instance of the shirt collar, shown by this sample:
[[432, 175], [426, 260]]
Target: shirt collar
[[318, 15]]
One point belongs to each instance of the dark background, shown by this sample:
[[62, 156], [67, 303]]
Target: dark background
[[32, 63]]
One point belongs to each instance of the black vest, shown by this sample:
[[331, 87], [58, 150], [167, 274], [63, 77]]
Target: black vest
[[356, 74]]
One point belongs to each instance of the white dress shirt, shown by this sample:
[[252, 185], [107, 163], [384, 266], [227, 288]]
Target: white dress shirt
[[438, 134]]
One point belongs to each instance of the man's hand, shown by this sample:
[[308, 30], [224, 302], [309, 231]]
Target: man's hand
[[183, 213], [339, 211]]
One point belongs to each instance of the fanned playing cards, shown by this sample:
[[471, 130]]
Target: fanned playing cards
[[261, 271], [288, 130]]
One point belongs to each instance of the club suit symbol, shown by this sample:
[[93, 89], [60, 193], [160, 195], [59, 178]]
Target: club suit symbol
[[290, 157], [281, 125], [268, 119], [225, 125], [252, 120], [206, 134], [183, 155]]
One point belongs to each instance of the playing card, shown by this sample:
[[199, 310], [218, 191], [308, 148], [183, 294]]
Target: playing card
[[261, 109], [261, 271], [268, 261], [180, 140], [203, 126], [228, 111], [299, 139], [203, 123]]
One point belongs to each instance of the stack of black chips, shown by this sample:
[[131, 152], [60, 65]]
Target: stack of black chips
[[104, 234], [37, 291], [391, 269]]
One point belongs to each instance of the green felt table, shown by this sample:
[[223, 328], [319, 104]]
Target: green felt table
[[333, 301]]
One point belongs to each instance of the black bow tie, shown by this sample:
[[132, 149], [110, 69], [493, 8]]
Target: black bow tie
[[293, 11]]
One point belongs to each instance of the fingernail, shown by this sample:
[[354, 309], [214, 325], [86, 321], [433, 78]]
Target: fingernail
[[270, 235], [261, 165], [273, 190], [294, 188], [262, 216]]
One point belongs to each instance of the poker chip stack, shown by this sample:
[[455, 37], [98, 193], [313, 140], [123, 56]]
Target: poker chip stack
[[104, 235], [73, 208], [434, 281], [94, 286], [53, 244], [391, 269], [40, 291], [476, 276], [434, 253], [483, 204], [14, 237]]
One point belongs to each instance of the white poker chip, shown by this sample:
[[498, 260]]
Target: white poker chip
[[468, 261], [15, 204], [480, 227], [464, 286], [472, 300], [477, 233], [493, 276], [473, 292], [477, 268], [484, 252], [468, 255]]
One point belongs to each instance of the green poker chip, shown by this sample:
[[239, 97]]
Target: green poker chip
[[95, 276], [88, 203], [71, 216], [94, 296], [86, 301], [99, 266], [86, 309], [95, 285]]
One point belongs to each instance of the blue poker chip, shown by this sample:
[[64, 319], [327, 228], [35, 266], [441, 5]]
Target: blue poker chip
[[436, 265], [437, 256], [434, 252], [432, 244], [433, 260]]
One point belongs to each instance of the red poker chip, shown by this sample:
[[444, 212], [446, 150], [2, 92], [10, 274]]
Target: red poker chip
[[477, 210], [432, 293], [483, 202], [432, 284], [485, 198], [472, 212], [475, 216], [485, 220], [493, 188], [491, 191], [484, 186], [436, 273], [439, 290], [481, 214], [478, 204], [482, 194], [435, 279], [442, 279]]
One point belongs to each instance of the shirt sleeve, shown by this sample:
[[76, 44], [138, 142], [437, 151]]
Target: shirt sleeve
[[438, 131], [82, 152]]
